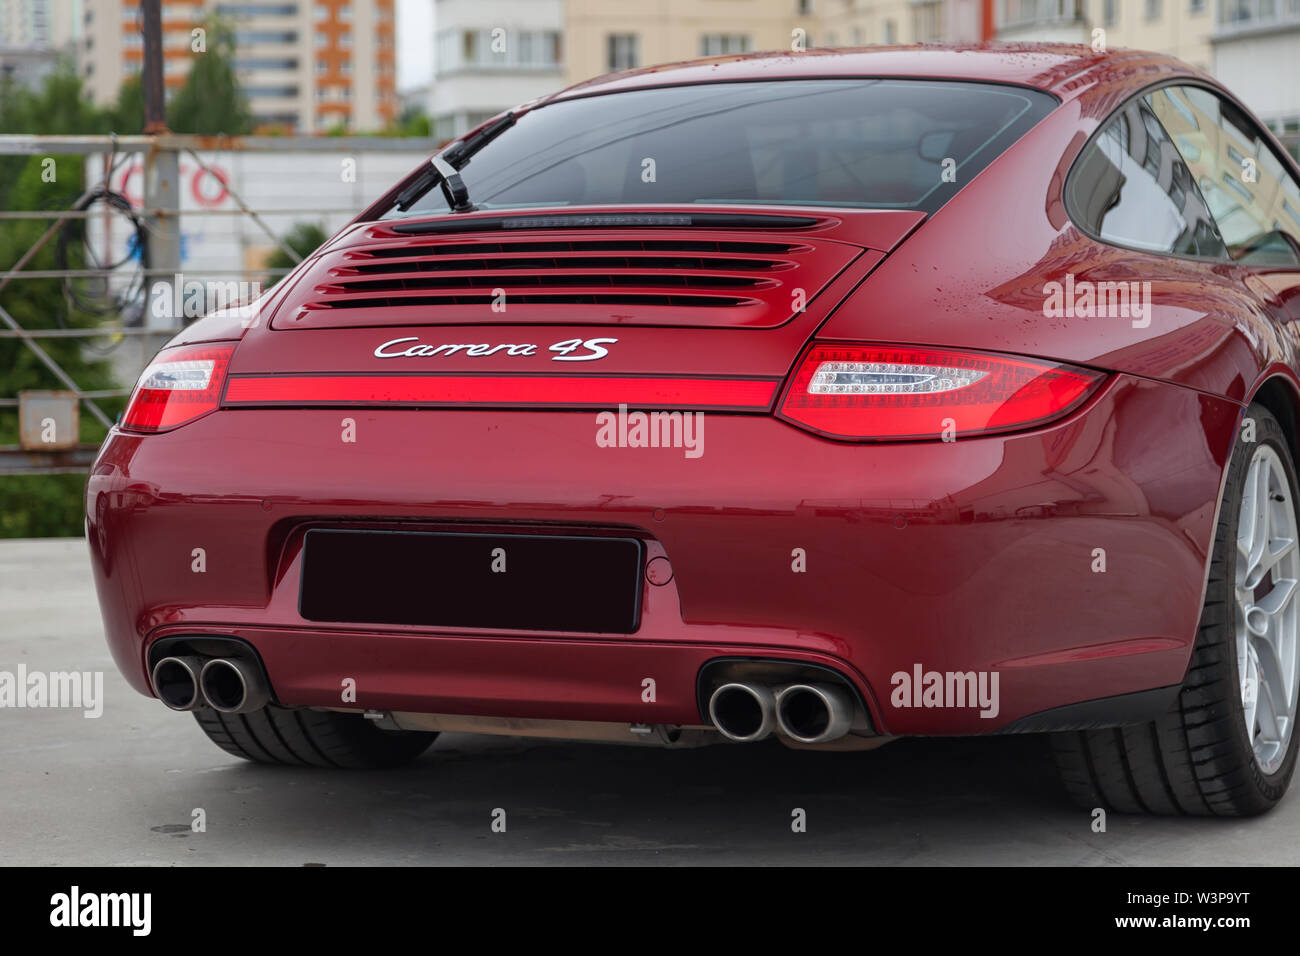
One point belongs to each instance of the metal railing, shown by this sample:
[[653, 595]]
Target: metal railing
[[160, 216]]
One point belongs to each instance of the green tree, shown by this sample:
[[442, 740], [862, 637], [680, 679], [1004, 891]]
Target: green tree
[[127, 115], [35, 506], [211, 101], [304, 238], [413, 122]]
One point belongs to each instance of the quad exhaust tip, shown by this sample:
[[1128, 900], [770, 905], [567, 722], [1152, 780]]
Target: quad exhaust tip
[[743, 712], [233, 686], [176, 681], [814, 713]]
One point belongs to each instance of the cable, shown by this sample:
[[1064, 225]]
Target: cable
[[94, 296]]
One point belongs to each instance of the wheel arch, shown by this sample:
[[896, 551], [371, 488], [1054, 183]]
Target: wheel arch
[[1280, 394]]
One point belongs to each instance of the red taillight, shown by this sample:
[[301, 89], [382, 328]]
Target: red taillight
[[179, 385], [897, 393]]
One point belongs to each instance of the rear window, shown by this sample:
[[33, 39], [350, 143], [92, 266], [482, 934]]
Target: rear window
[[884, 144]]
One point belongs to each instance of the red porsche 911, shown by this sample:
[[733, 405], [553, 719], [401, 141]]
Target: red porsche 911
[[836, 396]]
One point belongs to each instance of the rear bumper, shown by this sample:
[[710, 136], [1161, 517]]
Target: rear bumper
[[975, 556]]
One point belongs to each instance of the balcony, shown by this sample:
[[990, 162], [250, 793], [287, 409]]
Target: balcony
[[1044, 20], [1246, 17]]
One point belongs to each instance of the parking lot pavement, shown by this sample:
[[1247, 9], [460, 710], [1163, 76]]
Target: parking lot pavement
[[122, 788]]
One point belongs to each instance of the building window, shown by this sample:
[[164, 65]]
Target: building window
[[1152, 9], [1195, 6], [276, 91], [1248, 12], [927, 22], [253, 37], [1108, 12], [286, 63], [891, 32], [721, 44], [623, 52], [254, 10], [804, 7]]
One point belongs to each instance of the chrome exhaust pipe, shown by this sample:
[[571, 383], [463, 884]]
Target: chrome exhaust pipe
[[176, 682], [814, 713], [743, 712], [233, 686]]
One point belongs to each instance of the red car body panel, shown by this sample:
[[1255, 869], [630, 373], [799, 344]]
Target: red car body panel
[[972, 555]]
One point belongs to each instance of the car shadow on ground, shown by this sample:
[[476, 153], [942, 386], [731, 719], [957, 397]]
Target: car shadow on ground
[[919, 800]]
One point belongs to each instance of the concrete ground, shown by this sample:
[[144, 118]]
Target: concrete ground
[[121, 789]]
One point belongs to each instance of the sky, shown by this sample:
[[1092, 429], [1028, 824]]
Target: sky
[[414, 42]]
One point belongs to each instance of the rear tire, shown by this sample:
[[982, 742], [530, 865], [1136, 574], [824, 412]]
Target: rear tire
[[311, 738], [1199, 759]]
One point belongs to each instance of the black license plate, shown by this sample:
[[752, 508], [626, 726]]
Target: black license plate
[[450, 579]]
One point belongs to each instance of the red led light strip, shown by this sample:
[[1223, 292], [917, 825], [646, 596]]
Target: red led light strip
[[501, 391]]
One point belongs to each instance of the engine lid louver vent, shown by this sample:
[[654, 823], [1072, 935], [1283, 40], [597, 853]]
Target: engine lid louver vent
[[702, 280]]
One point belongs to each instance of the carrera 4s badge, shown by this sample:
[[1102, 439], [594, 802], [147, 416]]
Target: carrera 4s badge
[[566, 350]]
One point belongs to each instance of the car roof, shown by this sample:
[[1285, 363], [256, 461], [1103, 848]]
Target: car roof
[[1064, 69]]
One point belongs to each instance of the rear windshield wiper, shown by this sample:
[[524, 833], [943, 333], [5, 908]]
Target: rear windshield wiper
[[444, 169]]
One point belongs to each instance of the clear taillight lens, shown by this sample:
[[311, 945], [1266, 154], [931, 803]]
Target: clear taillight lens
[[180, 385], [900, 393]]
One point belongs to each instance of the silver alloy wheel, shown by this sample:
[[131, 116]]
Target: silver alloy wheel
[[1268, 568]]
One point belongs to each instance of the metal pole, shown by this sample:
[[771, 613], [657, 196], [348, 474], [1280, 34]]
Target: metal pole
[[151, 79], [161, 178], [162, 192]]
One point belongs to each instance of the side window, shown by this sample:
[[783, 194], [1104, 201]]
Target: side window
[[1255, 201], [1131, 187]]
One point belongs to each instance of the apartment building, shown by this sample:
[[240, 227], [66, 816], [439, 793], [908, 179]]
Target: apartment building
[[484, 61], [1181, 28], [489, 55], [854, 23], [307, 66], [34, 35], [1256, 46], [605, 35]]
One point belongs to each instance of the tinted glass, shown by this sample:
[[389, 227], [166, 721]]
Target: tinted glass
[[1255, 201], [868, 143], [1132, 187]]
